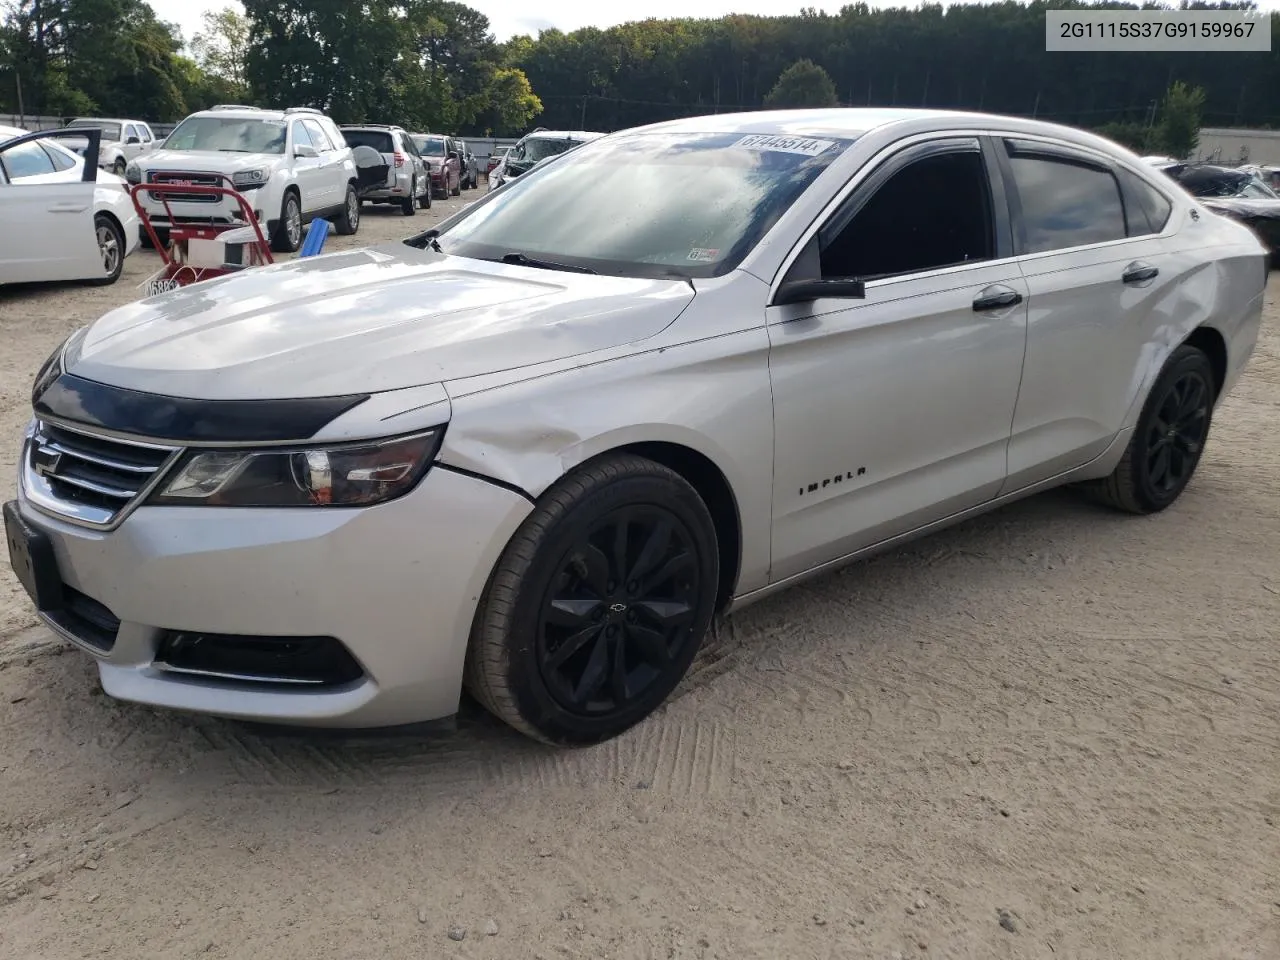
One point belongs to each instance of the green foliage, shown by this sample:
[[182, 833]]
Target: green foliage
[[803, 84], [1179, 129], [987, 56], [1135, 135], [221, 47]]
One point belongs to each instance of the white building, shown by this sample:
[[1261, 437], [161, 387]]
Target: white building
[[1239, 146]]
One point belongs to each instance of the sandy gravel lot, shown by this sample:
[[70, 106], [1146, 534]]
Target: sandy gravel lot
[[1051, 732]]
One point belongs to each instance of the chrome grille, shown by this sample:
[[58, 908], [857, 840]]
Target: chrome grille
[[89, 477], [177, 176]]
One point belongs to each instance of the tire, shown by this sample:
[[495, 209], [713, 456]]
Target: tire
[[424, 201], [458, 189], [288, 233], [511, 661], [1167, 441], [409, 206], [111, 247], [348, 221]]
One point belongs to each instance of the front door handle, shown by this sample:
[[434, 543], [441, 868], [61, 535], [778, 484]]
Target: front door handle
[[69, 208], [1139, 272], [996, 298]]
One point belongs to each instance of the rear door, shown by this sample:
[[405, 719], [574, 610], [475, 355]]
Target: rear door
[[46, 223], [1098, 271]]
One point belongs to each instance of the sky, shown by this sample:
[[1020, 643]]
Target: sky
[[511, 17]]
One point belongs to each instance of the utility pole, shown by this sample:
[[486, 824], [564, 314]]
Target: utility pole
[[583, 124], [22, 118]]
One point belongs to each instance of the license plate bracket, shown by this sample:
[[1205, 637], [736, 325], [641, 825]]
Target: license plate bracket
[[33, 560]]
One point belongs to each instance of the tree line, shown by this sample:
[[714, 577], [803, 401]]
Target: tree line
[[435, 64]]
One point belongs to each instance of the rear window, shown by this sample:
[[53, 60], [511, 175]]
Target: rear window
[[430, 146], [380, 140]]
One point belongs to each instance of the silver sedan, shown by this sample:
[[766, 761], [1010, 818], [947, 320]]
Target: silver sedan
[[537, 449]]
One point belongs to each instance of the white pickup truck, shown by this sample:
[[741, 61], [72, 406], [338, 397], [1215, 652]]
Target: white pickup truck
[[122, 141]]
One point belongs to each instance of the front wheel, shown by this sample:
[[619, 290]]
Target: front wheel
[[457, 190], [409, 205], [598, 604], [1168, 439], [348, 221], [110, 248], [288, 235]]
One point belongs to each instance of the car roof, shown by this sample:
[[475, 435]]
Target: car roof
[[583, 135], [103, 120], [10, 132], [249, 113]]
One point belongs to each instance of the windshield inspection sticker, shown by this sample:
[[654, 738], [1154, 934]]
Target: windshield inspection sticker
[[703, 255], [806, 146]]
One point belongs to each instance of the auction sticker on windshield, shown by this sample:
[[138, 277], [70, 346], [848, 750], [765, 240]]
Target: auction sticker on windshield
[[802, 145]]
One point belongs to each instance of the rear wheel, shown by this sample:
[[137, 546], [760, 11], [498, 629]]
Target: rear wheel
[[409, 206], [110, 247], [598, 604], [1168, 439], [348, 221], [288, 235]]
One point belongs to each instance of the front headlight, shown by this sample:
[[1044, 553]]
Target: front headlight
[[54, 366], [248, 179], [133, 173], [345, 475]]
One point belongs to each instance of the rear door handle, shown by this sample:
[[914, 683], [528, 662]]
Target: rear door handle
[[996, 298], [1139, 272]]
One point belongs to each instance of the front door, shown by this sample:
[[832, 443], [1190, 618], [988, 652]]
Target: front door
[[894, 410], [46, 225]]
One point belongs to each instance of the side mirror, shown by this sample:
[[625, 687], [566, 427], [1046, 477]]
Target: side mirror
[[806, 291], [453, 154], [131, 141], [306, 150]]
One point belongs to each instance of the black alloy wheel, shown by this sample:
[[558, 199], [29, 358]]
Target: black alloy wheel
[[598, 604], [1168, 439], [618, 611]]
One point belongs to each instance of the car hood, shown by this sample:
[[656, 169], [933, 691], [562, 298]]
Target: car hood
[[205, 161], [364, 321]]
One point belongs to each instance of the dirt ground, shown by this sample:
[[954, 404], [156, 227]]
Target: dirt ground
[[1050, 732]]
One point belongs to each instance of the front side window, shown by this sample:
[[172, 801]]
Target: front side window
[[300, 136], [26, 160], [647, 204], [319, 139], [935, 212], [228, 135], [1066, 203], [132, 131]]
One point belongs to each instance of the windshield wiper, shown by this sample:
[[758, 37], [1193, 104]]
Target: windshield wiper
[[426, 239], [524, 260]]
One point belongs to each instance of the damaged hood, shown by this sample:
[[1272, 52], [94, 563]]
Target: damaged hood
[[365, 321]]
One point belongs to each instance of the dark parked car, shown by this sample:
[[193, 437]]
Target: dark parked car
[[1238, 194], [534, 148]]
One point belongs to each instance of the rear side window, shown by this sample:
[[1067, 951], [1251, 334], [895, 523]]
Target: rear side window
[[380, 140], [1066, 204], [1147, 208], [26, 160], [60, 160]]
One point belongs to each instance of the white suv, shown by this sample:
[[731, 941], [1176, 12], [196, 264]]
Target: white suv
[[292, 165]]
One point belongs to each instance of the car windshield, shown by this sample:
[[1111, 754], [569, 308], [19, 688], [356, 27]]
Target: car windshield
[[539, 148], [430, 146], [1255, 189], [646, 205], [110, 131], [228, 134], [380, 140]]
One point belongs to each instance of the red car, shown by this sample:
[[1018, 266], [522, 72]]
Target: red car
[[443, 161]]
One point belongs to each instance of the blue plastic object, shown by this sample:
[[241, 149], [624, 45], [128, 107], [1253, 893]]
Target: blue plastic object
[[316, 236]]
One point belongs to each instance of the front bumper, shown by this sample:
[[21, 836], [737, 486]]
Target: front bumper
[[397, 585]]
